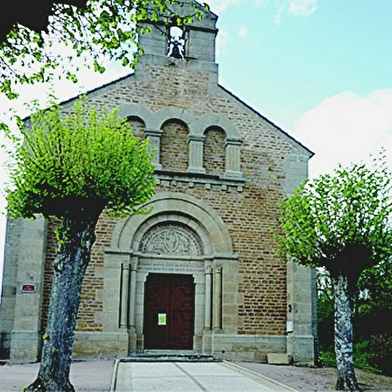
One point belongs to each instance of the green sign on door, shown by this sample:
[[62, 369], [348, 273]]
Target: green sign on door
[[161, 318]]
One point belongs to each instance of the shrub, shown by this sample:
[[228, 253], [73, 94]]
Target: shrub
[[380, 355]]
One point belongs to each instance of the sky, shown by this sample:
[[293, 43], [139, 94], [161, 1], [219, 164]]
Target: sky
[[319, 69]]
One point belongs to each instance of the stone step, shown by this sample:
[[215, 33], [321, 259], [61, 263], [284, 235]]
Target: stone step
[[279, 359], [157, 356]]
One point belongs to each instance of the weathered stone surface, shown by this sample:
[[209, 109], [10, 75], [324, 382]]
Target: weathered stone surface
[[279, 359]]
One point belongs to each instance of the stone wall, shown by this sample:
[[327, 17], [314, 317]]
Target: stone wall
[[215, 149], [249, 214], [271, 167]]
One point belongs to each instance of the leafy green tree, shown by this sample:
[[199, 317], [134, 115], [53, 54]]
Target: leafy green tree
[[340, 223], [74, 167], [92, 30]]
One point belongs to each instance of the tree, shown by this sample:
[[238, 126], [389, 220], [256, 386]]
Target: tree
[[74, 167], [340, 223], [34, 35]]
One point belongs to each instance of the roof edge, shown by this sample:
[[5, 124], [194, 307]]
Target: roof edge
[[311, 153]]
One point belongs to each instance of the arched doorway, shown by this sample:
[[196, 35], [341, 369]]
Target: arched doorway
[[181, 249], [171, 268]]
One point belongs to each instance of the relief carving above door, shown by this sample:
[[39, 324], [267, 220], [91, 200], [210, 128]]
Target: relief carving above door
[[171, 239]]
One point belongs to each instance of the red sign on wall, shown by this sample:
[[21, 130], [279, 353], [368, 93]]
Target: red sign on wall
[[28, 288]]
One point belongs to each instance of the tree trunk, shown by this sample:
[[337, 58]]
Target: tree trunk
[[75, 239], [344, 334]]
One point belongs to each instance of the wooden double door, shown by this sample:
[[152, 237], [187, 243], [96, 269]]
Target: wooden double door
[[169, 312]]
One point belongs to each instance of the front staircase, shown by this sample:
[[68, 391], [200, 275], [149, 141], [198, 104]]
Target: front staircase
[[169, 356]]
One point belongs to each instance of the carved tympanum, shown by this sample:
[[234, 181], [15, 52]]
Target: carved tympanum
[[171, 239]]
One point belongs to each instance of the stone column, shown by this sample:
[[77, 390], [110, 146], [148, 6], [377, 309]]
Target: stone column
[[124, 295], [233, 158], [132, 306], [208, 297], [196, 146], [217, 304], [155, 143], [132, 299]]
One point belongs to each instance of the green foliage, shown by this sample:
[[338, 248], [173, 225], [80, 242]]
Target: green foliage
[[373, 317], [375, 284], [339, 222], [361, 355], [328, 358], [84, 155], [381, 353], [100, 29], [325, 320]]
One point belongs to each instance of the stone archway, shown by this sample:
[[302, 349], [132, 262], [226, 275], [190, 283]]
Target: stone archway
[[170, 246], [181, 236]]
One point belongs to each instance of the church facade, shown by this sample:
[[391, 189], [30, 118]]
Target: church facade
[[198, 274]]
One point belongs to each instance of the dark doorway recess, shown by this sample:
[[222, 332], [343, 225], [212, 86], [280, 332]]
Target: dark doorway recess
[[169, 312]]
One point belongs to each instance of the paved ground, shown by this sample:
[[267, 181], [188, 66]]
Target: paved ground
[[118, 376], [86, 376], [190, 377]]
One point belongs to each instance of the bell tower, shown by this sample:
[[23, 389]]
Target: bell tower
[[191, 43]]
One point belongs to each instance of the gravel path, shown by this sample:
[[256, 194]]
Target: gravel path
[[317, 379]]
